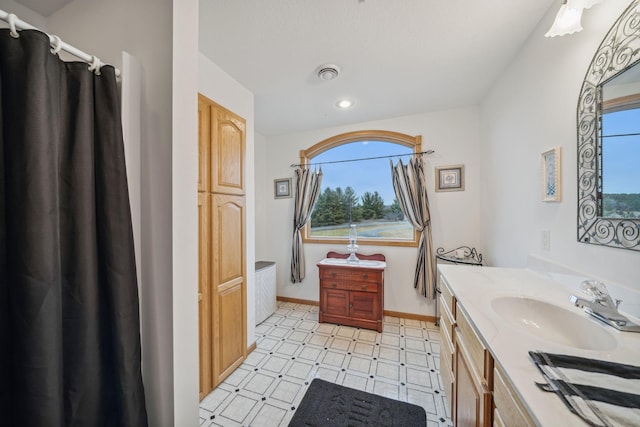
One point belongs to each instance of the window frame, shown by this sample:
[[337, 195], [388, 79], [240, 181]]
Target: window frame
[[306, 157]]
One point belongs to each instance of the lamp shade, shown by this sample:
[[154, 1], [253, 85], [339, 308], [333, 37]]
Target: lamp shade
[[568, 18]]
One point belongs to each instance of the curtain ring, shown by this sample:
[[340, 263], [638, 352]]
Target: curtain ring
[[95, 65], [11, 19], [56, 44]]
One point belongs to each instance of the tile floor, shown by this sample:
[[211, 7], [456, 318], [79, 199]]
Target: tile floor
[[293, 348]]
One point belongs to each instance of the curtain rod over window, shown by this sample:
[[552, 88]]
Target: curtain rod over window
[[293, 165], [14, 24]]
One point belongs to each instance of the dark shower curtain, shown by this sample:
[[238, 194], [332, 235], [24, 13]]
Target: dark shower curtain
[[69, 322]]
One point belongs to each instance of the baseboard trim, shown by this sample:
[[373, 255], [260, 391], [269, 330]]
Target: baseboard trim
[[401, 314], [411, 316], [298, 301], [252, 347]]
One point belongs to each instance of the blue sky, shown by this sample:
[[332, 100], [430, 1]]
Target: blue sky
[[363, 176], [621, 155]]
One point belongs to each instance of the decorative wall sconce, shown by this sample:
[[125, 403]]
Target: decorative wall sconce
[[568, 18]]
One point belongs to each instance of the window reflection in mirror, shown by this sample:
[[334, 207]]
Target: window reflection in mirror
[[620, 146]]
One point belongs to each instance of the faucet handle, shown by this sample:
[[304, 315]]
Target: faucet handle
[[618, 301], [595, 289]]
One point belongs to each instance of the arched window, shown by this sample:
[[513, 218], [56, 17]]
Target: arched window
[[359, 192]]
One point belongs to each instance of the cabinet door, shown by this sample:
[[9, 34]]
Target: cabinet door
[[229, 283], [472, 397], [335, 302], [363, 305], [227, 154]]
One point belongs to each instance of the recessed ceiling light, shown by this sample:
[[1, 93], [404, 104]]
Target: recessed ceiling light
[[343, 104], [327, 71]]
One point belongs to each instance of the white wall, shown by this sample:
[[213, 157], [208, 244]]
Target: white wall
[[263, 192], [218, 86], [531, 109], [144, 29], [453, 134], [23, 13], [185, 213]]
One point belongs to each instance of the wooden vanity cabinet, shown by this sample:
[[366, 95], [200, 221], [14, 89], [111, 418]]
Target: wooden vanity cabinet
[[466, 366], [508, 410], [352, 295]]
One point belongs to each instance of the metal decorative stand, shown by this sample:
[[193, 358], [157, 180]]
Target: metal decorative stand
[[460, 255]]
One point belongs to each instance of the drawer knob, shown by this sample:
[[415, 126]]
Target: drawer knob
[[333, 285], [364, 275], [363, 287], [333, 274]]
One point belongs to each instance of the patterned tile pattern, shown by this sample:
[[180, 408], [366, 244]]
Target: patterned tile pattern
[[293, 348]]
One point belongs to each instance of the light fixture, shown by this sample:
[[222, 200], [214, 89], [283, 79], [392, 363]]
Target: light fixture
[[344, 104], [569, 16], [327, 72]]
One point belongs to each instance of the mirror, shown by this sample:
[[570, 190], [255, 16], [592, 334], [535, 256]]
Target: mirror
[[608, 116]]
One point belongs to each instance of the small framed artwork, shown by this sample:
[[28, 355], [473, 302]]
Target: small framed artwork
[[282, 188], [551, 175], [450, 178]]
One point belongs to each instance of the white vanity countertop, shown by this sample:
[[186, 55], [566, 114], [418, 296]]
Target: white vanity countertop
[[476, 288], [341, 262]]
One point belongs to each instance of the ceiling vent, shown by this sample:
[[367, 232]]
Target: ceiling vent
[[328, 72]]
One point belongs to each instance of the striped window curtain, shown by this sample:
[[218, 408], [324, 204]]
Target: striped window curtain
[[410, 186], [307, 192]]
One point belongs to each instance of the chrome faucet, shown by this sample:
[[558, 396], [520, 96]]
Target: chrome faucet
[[603, 307]]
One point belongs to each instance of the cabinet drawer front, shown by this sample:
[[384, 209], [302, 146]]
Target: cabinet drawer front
[[351, 274], [350, 286], [446, 373], [446, 297], [479, 356], [446, 346], [446, 320], [512, 412]]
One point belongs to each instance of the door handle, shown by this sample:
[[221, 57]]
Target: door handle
[[333, 285], [333, 274], [364, 275], [363, 287], [199, 296]]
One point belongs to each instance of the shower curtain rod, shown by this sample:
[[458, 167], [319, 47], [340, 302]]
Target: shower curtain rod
[[57, 44], [293, 165]]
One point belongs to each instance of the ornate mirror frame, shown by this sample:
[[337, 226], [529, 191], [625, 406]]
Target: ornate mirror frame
[[619, 50]]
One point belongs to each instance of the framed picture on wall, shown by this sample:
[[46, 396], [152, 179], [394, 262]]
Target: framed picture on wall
[[282, 188], [551, 174], [450, 178]]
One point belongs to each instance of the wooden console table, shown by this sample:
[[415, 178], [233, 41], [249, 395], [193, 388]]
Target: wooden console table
[[352, 293]]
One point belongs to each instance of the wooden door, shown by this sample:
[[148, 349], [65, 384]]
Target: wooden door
[[205, 334], [222, 309], [228, 283]]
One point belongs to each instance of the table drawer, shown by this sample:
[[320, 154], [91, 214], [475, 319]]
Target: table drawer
[[349, 286], [353, 274]]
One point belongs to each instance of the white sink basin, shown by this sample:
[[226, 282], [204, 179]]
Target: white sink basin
[[362, 262], [553, 323]]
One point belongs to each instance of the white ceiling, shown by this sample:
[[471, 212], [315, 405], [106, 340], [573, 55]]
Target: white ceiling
[[397, 57]]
